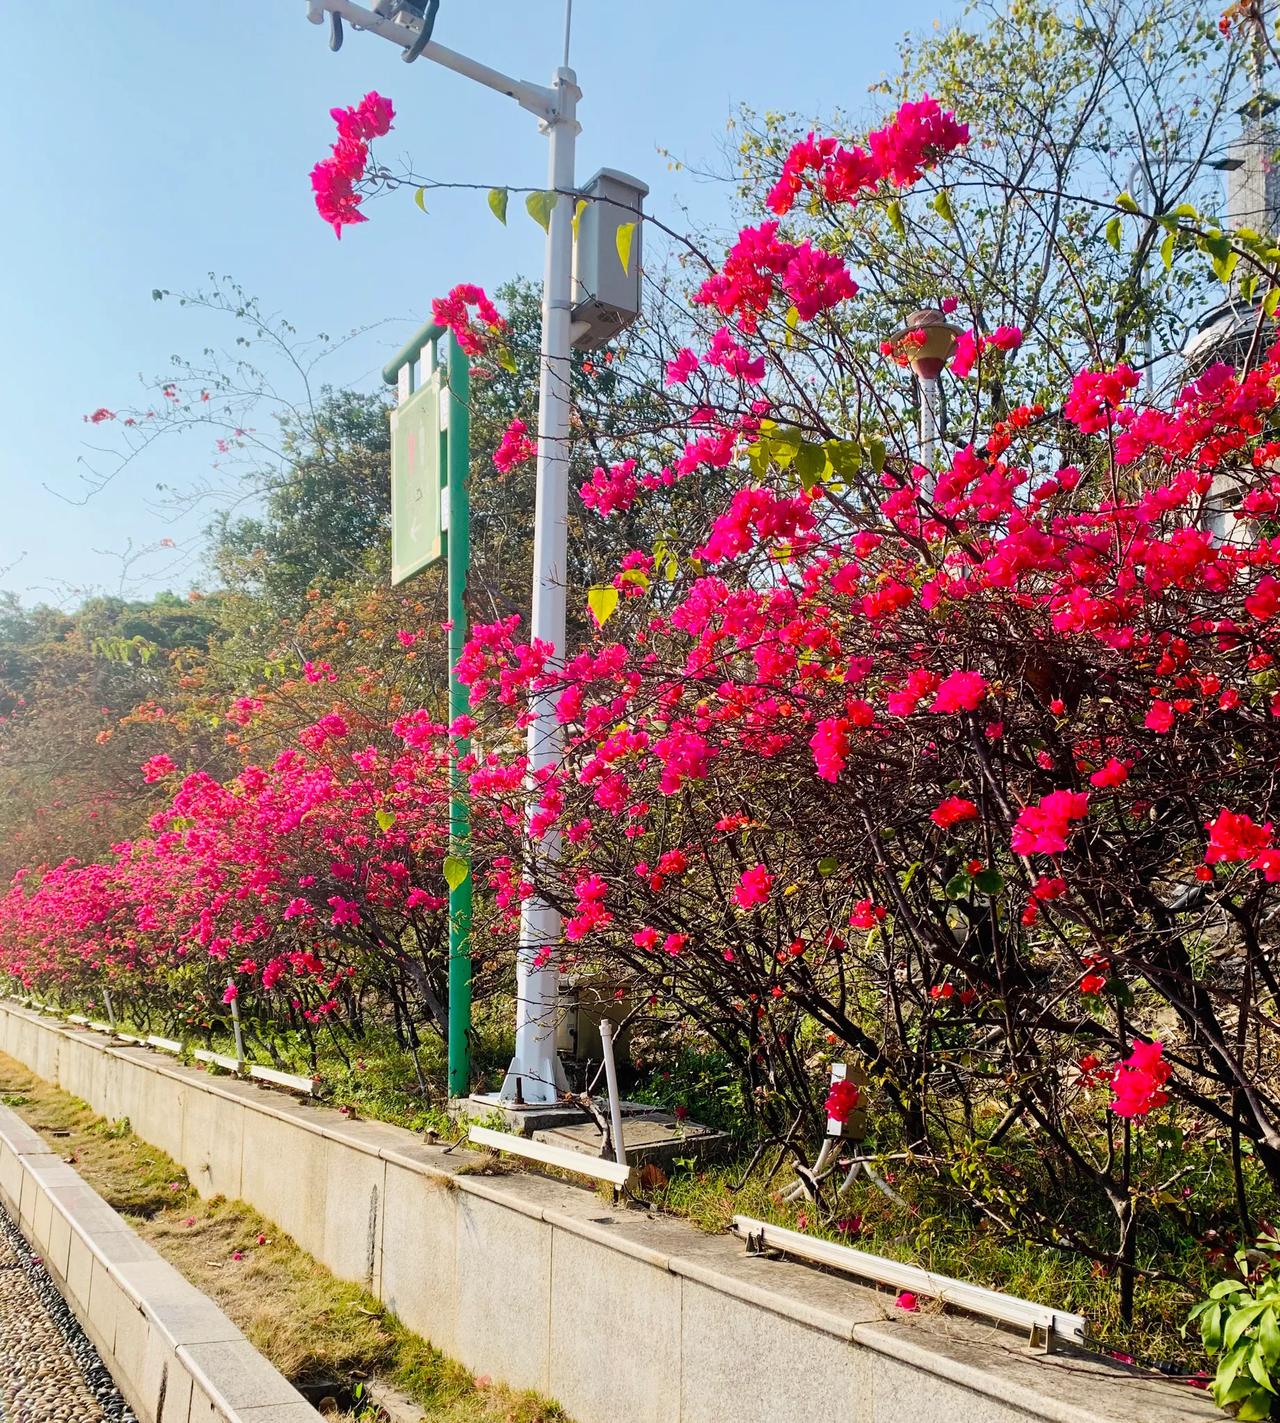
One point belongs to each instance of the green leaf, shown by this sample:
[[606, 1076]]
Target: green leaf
[[498, 204], [989, 882], [1240, 1320], [602, 600], [894, 213], [622, 240], [793, 323], [506, 360], [1166, 250], [942, 206], [828, 865], [386, 819], [1269, 1337], [540, 206], [957, 886], [420, 197], [811, 463], [1125, 202], [909, 874], [456, 870], [1113, 231], [876, 453], [578, 209], [1271, 301]]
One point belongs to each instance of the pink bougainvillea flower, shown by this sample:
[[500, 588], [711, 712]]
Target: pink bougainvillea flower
[[1235, 836], [961, 691], [842, 1099], [1137, 1082], [954, 810], [157, 768], [753, 888], [906, 1300], [515, 447], [1042, 829], [1114, 773]]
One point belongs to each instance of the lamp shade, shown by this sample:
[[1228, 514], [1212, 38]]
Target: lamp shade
[[927, 342]]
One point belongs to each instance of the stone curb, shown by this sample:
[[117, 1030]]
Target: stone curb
[[173, 1353]]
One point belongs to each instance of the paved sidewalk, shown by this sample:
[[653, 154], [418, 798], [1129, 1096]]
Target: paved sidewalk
[[49, 1371]]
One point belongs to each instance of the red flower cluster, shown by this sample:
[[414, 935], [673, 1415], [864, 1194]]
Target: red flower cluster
[[515, 447], [454, 313], [842, 1100], [334, 179], [1137, 1082]]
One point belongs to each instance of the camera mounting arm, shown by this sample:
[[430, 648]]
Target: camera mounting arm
[[537, 99]]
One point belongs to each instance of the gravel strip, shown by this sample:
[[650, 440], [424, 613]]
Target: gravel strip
[[49, 1371]]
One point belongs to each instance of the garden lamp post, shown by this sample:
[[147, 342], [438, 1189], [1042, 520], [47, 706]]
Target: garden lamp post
[[535, 1074], [928, 341]]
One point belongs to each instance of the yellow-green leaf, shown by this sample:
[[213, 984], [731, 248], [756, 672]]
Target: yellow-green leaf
[[420, 197], [894, 213], [498, 204], [506, 360], [1166, 250], [942, 206], [1271, 301], [540, 206], [456, 870], [635, 575], [386, 819], [578, 209], [1125, 202], [623, 240], [602, 600], [1113, 232]]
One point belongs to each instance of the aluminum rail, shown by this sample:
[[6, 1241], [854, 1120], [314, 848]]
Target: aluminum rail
[[616, 1173], [1044, 1324]]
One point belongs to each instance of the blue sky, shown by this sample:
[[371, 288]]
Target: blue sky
[[152, 143]]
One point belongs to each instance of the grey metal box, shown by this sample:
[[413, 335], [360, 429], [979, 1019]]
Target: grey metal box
[[606, 299]]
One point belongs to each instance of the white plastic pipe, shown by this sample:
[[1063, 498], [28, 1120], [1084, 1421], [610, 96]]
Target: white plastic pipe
[[611, 1082]]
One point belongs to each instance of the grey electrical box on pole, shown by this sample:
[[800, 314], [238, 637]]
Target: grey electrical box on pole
[[606, 296]]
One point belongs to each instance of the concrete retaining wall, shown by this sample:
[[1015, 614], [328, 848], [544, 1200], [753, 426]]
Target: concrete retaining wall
[[174, 1355], [621, 1317]]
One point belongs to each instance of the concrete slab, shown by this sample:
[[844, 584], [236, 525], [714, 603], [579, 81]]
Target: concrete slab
[[502, 1311], [106, 1299], [419, 1226], [59, 1246], [355, 1187], [213, 1133], [285, 1176], [639, 1309], [654, 1137], [176, 1407], [728, 1362], [234, 1376]]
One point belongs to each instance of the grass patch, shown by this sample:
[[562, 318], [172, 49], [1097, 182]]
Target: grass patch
[[310, 1324]]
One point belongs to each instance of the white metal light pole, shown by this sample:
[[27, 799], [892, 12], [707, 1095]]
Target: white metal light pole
[[927, 342], [535, 1074]]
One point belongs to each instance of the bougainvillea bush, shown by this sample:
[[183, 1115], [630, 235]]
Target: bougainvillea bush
[[967, 772], [961, 771]]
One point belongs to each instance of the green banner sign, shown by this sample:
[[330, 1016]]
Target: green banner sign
[[417, 540]]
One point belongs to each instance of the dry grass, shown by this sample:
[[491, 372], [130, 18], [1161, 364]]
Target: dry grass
[[311, 1325]]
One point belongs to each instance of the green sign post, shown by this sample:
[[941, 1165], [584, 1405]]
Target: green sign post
[[430, 469]]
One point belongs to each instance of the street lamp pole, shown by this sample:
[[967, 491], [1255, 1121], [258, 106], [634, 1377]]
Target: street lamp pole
[[535, 1074]]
